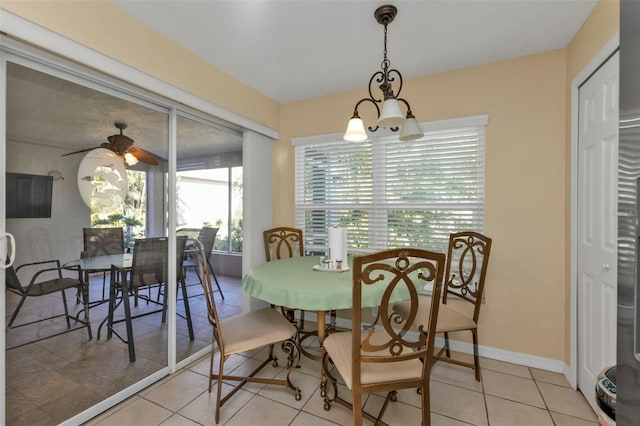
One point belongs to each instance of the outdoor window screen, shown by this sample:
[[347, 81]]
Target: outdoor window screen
[[389, 193]]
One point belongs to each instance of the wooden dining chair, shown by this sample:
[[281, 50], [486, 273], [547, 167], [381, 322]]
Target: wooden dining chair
[[282, 243], [464, 283], [253, 330], [386, 357]]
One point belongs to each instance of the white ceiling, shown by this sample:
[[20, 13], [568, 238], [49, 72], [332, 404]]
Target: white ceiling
[[298, 49], [288, 50]]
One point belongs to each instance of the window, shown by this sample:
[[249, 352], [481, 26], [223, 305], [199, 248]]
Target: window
[[389, 193], [212, 197], [130, 215]]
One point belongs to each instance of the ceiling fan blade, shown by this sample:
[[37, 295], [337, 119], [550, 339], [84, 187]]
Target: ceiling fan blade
[[78, 152], [145, 156]]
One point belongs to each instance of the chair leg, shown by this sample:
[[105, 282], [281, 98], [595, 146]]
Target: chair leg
[[446, 344], [113, 292], [127, 315], [66, 309], [85, 302], [165, 303], [301, 320], [213, 274], [187, 311], [15, 312], [211, 363], [357, 409], [476, 357], [104, 283], [426, 403], [219, 393]]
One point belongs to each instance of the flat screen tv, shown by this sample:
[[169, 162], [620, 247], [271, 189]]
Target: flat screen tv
[[28, 196]]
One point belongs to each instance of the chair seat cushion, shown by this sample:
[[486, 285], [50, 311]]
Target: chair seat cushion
[[449, 319], [254, 330], [338, 346]]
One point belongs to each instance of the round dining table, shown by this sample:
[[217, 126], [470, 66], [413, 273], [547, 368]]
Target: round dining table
[[300, 283]]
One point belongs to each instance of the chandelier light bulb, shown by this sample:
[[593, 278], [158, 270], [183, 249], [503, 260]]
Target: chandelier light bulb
[[355, 130], [411, 130]]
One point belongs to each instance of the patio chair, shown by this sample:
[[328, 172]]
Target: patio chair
[[101, 242], [148, 269], [207, 237], [386, 357], [467, 261], [254, 330], [47, 286]]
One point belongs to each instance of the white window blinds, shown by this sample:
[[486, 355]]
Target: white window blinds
[[389, 193]]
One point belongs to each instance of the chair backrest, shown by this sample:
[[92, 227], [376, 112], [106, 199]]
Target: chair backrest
[[205, 278], [467, 261], [189, 232], [102, 241], [282, 243], [402, 273], [149, 264], [12, 282], [207, 236]]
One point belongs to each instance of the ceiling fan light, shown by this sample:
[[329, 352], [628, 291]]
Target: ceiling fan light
[[411, 129], [391, 115], [130, 159], [355, 130]]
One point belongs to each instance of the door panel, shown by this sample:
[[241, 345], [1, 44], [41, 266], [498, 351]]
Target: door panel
[[597, 225]]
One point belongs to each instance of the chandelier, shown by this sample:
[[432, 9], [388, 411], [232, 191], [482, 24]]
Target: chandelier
[[391, 115]]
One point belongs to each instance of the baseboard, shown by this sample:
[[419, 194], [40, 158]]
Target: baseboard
[[498, 354]]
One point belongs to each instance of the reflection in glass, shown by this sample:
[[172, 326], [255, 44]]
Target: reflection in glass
[[99, 191], [102, 181]]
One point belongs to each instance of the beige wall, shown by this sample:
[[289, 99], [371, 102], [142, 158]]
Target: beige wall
[[525, 157], [598, 29], [108, 30], [528, 176], [527, 193]]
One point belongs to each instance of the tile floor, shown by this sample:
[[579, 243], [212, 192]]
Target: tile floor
[[54, 379], [48, 382], [509, 395]]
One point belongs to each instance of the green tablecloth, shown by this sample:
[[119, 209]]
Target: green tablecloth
[[295, 284]]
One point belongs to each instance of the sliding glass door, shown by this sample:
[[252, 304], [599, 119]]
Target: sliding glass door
[[86, 178], [208, 184]]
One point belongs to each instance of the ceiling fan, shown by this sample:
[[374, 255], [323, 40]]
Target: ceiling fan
[[123, 146]]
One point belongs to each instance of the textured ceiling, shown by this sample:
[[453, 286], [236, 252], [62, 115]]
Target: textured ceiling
[[47, 110]]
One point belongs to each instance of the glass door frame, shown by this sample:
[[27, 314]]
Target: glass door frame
[[15, 52]]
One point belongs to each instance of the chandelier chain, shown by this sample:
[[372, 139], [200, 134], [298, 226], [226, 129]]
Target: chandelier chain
[[385, 62]]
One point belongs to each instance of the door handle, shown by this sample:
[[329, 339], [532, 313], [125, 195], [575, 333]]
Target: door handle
[[606, 267], [8, 254]]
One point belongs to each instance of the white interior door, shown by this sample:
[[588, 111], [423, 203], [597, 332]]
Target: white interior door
[[597, 224]]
